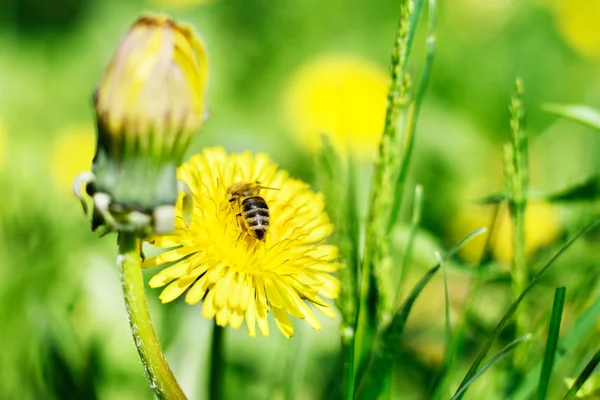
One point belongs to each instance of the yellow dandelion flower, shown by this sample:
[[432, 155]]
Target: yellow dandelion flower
[[235, 275], [341, 96], [72, 152]]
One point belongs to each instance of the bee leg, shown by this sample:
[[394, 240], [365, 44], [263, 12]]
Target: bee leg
[[142, 255], [240, 223]]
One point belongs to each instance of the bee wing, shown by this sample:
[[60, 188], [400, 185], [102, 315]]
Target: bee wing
[[268, 188]]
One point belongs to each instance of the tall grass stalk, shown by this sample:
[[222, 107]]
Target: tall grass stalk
[[376, 302], [517, 180], [413, 112], [386, 167]]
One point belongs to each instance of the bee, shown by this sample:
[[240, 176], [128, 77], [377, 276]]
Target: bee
[[251, 208]]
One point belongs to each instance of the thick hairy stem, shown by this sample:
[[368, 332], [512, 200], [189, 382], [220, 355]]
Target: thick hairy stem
[[161, 378]]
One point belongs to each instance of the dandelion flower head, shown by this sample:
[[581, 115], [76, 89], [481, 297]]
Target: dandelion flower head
[[236, 276]]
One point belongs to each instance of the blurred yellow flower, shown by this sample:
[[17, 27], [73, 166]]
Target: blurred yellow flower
[[577, 22], [341, 96], [542, 227], [72, 152], [235, 275]]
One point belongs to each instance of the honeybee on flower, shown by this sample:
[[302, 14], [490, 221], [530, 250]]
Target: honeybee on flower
[[251, 208]]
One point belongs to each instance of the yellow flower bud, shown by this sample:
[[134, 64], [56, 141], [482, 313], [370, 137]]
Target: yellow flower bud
[[148, 105], [153, 89]]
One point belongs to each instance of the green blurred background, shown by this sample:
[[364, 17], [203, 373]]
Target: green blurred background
[[277, 69]]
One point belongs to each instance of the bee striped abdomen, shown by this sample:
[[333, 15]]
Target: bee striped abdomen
[[255, 214]]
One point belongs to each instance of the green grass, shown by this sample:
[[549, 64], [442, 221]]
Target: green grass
[[583, 376], [551, 342]]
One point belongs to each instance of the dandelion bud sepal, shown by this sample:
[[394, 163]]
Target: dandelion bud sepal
[[148, 105]]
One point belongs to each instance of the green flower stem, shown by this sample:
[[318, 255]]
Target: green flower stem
[[161, 378], [348, 348], [217, 366]]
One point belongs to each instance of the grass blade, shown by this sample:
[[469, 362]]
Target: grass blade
[[576, 112], [552, 341], [511, 310], [414, 227], [386, 343], [583, 326], [443, 377], [337, 180], [448, 349], [448, 327], [375, 298], [463, 387], [582, 191], [493, 198], [583, 376]]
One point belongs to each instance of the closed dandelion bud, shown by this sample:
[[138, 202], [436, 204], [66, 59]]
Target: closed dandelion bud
[[148, 105]]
